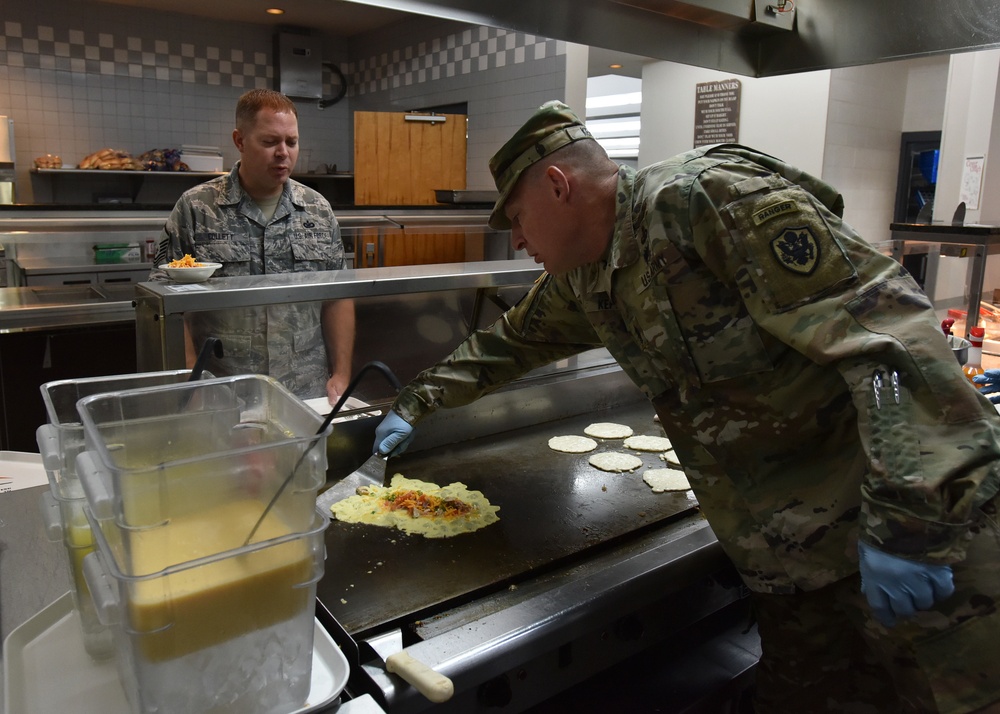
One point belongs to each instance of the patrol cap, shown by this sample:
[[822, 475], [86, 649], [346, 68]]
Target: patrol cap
[[551, 127]]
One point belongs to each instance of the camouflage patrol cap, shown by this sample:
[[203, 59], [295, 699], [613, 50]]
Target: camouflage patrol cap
[[551, 127]]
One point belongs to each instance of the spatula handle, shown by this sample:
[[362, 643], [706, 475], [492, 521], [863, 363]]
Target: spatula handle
[[433, 685]]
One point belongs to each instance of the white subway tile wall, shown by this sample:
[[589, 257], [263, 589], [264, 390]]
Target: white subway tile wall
[[79, 76], [471, 50], [861, 159]]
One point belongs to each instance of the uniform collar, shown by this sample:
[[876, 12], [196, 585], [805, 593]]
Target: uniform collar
[[623, 250], [233, 193]]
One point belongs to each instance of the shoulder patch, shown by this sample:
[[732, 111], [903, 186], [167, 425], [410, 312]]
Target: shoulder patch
[[796, 258], [797, 250]]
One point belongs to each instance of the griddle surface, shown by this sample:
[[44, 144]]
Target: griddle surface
[[553, 507]]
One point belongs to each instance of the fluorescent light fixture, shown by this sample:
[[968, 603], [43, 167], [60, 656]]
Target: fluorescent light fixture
[[614, 100], [432, 118], [604, 128], [625, 142]]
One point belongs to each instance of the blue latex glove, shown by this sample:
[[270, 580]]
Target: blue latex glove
[[897, 588], [393, 435], [989, 384]]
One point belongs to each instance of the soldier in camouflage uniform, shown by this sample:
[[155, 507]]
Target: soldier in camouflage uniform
[[805, 385], [258, 221]]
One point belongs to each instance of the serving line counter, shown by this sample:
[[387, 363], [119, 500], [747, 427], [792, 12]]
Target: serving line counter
[[584, 570], [46, 244], [63, 314], [407, 316]]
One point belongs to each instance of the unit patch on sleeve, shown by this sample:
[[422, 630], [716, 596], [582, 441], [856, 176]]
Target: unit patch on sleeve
[[796, 249], [796, 257]]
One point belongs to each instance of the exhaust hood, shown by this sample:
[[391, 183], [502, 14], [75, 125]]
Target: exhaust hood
[[734, 36]]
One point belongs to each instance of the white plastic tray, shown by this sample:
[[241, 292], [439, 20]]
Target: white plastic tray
[[47, 670], [322, 406], [21, 469]]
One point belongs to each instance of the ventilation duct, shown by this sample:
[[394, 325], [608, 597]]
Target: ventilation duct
[[298, 65]]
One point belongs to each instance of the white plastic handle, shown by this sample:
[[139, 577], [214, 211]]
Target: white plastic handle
[[51, 516], [433, 685], [48, 446], [94, 486], [103, 594]]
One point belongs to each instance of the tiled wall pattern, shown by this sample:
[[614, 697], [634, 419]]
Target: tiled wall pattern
[[474, 49], [78, 76], [123, 55]]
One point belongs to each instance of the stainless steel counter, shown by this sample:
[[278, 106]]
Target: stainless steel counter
[[47, 266], [36, 308], [407, 316], [974, 241]]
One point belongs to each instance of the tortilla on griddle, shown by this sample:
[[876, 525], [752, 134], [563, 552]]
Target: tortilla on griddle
[[446, 511], [572, 444], [661, 480], [615, 461], [608, 430], [648, 443]]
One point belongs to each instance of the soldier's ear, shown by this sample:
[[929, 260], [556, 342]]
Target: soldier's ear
[[557, 183], [238, 140]]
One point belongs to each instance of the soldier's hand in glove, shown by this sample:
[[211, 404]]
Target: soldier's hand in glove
[[393, 435], [897, 588], [989, 384]]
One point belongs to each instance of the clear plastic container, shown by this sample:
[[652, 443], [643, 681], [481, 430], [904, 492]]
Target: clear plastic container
[[230, 633], [59, 443], [63, 438], [162, 454], [65, 521]]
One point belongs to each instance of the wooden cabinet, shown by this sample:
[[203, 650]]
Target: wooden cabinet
[[401, 162]]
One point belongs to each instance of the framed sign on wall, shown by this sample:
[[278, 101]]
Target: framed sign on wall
[[717, 112]]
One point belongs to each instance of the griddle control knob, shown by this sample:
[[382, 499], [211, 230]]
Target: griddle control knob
[[495, 693]]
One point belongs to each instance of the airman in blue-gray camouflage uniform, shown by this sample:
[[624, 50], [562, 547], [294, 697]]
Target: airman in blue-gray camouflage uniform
[[808, 392], [305, 347]]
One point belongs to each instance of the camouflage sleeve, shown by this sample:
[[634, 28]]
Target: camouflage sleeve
[[932, 441], [338, 254], [176, 237], [546, 325]]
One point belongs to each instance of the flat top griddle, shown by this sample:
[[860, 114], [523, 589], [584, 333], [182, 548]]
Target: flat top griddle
[[553, 507]]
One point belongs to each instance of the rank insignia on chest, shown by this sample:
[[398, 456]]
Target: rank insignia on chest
[[796, 249]]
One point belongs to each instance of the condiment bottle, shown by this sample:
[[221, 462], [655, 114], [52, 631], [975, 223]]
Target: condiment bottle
[[974, 365], [958, 326]]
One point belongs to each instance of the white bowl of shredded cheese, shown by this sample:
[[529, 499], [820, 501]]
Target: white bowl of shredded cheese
[[190, 274]]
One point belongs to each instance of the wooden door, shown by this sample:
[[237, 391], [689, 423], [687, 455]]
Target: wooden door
[[401, 163]]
